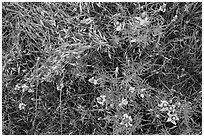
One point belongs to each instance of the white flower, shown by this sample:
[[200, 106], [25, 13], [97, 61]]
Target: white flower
[[119, 27], [133, 40], [126, 120], [143, 21], [186, 8], [60, 86], [101, 100], [171, 108], [132, 89], [172, 118], [93, 81], [124, 102], [142, 95], [142, 90], [162, 8], [17, 87], [164, 105], [30, 90], [164, 109], [24, 87], [87, 20], [21, 106], [174, 18], [178, 104]]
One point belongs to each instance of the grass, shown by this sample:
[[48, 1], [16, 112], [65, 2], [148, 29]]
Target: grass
[[101, 68]]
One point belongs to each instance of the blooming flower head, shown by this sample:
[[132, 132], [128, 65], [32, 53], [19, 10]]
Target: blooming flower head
[[93, 81], [164, 105], [142, 95], [171, 108], [24, 87], [143, 20], [101, 100], [132, 89], [162, 8], [126, 120], [124, 102], [21, 106], [142, 90], [172, 118], [178, 104], [30, 90]]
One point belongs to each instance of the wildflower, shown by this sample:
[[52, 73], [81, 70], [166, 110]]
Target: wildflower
[[178, 104], [162, 8], [126, 120], [164, 105], [87, 20], [186, 8], [119, 27], [30, 90], [171, 108], [24, 87], [124, 102], [132, 89], [142, 90], [134, 40], [60, 86], [101, 100], [143, 20], [157, 116], [21, 106], [172, 118], [142, 95], [112, 105], [17, 87], [93, 81], [174, 18]]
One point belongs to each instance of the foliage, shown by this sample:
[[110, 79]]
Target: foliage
[[78, 68]]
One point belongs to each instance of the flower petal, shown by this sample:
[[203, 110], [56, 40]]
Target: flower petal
[[169, 119], [174, 122]]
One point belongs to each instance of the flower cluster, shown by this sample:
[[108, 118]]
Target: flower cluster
[[132, 89], [24, 88], [126, 120], [170, 109], [140, 92]]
